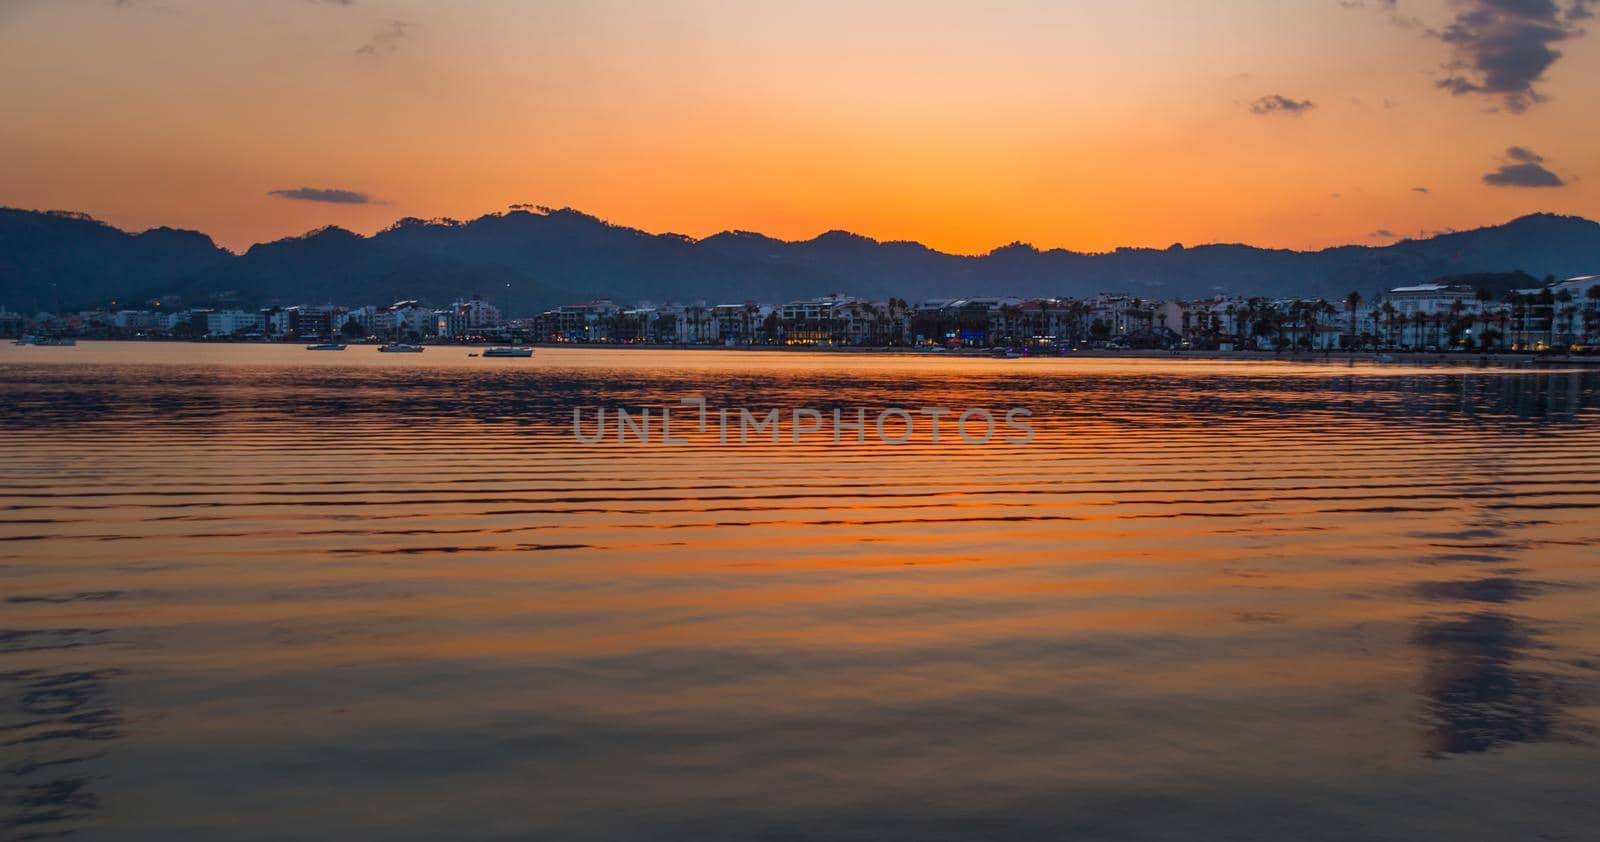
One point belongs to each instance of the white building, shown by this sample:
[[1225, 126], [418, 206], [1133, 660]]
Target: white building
[[142, 321], [234, 322], [1433, 299], [476, 314], [403, 317]]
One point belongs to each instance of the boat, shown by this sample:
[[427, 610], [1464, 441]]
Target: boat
[[508, 352], [48, 341], [327, 346], [401, 348]]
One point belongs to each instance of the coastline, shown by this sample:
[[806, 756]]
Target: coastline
[[1457, 359]]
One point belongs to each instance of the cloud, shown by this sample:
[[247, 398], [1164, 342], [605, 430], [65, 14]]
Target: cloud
[[1390, 9], [1503, 47], [1522, 168], [1383, 234], [1420, 190], [1280, 104], [144, 6], [321, 194], [1498, 48], [1524, 155], [386, 40]]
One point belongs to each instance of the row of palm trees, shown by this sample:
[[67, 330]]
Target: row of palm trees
[[1549, 317], [1553, 317], [1546, 317], [1255, 321]]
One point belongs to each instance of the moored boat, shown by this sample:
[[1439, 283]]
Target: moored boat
[[401, 348], [327, 346], [48, 341], [508, 352]]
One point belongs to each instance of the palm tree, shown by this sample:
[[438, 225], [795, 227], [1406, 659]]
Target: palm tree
[[772, 326], [1009, 314], [1300, 321], [1567, 312], [1351, 302], [1457, 308], [1517, 305], [1325, 312], [1591, 313], [1253, 314], [747, 321], [1078, 313], [1547, 306]]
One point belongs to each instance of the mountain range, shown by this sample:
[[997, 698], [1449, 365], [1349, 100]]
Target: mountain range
[[528, 259]]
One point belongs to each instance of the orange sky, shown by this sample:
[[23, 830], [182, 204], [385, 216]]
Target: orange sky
[[963, 125]]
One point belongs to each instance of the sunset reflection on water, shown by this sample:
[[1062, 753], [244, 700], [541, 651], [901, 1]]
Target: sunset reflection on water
[[249, 594]]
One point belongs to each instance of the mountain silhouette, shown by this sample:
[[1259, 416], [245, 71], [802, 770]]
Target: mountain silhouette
[[529, 259], [57, 260]]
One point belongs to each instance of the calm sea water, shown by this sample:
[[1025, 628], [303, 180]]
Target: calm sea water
[[260, 593]]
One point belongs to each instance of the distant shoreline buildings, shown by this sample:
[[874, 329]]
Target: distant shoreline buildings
[[1425, 317]]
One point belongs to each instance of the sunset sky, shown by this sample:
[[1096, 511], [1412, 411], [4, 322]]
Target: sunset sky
[[1085, 125]]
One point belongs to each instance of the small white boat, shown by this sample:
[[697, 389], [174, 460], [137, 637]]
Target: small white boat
[[508, 352], [401, 348], [48, 341], [327, 346]]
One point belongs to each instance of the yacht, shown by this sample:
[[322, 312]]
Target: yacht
[[508, 352], [327, 346], [401, 348]]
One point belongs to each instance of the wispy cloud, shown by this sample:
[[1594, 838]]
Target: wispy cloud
[[1522, 167], [386, 40], [1382, 234], [145, 6], [1420, 190], [1280, 104], [1390, 9], [323, 194]]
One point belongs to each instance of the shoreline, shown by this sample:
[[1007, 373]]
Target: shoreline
[[1498, 359]]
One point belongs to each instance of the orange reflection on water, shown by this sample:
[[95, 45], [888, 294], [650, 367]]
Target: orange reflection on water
[[412, 579]]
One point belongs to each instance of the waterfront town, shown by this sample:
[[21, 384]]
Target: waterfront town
[[1557, 316]]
